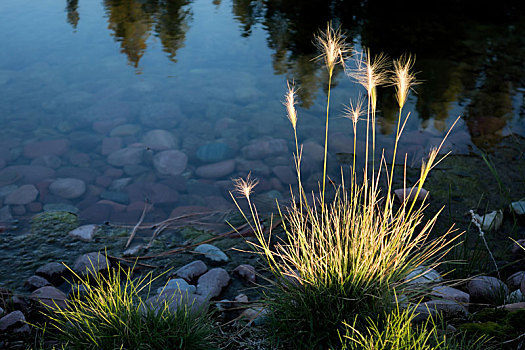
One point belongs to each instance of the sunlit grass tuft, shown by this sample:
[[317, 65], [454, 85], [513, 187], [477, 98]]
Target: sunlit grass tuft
[[108, 313], [341, 260]]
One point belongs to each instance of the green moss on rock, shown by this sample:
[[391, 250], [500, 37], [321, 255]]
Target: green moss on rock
[[54, 222]]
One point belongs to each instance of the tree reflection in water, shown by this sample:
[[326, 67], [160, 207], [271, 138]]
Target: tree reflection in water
[[466, 55]]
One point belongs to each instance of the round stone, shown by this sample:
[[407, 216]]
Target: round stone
[[170, 162], [68, 188]]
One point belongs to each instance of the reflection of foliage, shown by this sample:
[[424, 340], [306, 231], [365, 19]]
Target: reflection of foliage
[[72, 13], [132, 21], [172, 25]]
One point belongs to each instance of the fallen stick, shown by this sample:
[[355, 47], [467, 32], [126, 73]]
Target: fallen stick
[[136, 227]]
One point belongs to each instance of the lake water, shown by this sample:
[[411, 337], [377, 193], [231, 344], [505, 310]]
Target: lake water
[[106, 104]]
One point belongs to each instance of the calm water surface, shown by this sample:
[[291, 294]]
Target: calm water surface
[[106, 104]]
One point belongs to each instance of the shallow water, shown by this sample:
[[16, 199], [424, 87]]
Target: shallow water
[[167, 101]]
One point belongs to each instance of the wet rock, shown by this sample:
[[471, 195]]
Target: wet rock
[[213, 152], [522, 286], [246, 272], [487, 289], [191, 271], [49, 161], [159, 140], [449, 293], [216, 170], [25, 194], [91, 264], [35, 282], [53, 272], [50, 297], [125, 130], [170, 162], [177, 284], [127, 156], [84, 233], [265, 148], [423, 275], [49, 147], [514, 280], [12, 320], [212, 253], [68, 188], [409, 194], [211, 284]]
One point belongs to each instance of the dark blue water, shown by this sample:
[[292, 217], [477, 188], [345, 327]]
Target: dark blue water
[[107, 104]]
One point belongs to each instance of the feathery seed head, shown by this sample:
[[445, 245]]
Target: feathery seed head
[[370, 73], [245, 187], [353, 112], [289, 103], [403, 78], [332, 45]]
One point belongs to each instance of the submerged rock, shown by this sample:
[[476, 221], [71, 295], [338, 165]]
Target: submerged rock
[[159, 139], [170, 162], [68, 188], [127, 156], [213, 152], [216, 170], [23, 195]]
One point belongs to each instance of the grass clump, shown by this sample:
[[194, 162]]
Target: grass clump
[[397, 332], [108, 313], [342, 259]]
